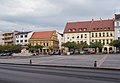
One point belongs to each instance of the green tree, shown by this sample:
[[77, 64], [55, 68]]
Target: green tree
[[115, 43], [81, 45], [70, 45], [96, 45]]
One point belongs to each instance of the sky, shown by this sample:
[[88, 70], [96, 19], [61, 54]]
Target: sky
[[43, 15]]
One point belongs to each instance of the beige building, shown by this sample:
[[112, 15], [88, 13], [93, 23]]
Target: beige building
[[7, 38]]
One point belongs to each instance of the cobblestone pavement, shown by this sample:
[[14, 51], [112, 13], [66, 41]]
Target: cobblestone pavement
[[109, 61]]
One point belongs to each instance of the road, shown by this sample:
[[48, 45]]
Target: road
[[42, 74]]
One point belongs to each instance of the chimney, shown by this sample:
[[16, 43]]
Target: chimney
[[92, 20]]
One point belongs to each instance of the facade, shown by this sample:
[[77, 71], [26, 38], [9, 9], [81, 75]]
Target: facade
[[47, 39], [117, 26], [22, 38], [77, 32], [91, 31], [1, 39], [7, 38]]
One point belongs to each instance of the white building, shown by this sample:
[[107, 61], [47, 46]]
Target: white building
[[117, 26], [77, 32], [22, 37]]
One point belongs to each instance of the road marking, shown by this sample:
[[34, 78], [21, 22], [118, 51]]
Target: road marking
[[101, 61]]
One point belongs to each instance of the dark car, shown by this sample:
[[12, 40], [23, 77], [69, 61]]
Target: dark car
[[54, 53], [6, 54]]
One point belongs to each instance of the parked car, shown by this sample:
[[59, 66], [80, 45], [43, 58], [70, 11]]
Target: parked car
[[6, 54], [54, 53], [92, 52]]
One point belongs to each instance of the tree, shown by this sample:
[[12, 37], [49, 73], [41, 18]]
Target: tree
[[115, 43], [70, 45], [96, 45], [34, 48], [81, 45], [11, 48]]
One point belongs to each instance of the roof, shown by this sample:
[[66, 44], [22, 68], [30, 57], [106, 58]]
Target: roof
[[99, 25], [42, 35], [19, 33]]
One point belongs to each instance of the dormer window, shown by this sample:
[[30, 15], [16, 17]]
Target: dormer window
[[105, 28], [74, 30], [109, 28], [70, 30], [85, 29], [80, 29]]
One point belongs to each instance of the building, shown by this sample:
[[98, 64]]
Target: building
[[77, 32], [103, 31], [117, 26], [7, 38], [22, 38], [47, 39], [91, 31], [1, 39]]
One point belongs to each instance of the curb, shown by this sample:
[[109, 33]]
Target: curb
[[65, 66]]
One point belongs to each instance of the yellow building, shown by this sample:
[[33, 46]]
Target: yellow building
[[47, 39], [103, 31]]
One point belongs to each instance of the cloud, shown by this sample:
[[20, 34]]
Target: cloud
[[40, 15]]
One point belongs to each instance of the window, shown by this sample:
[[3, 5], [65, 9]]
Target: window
[[84, 29], [17, 36], [96, 41], [77, 41], [72, 37], [85, 35], [74, 30], [44, 44], [81, 35], [105, 28], [17, 40], [118, 38], [93, 28], [107, 34], [117, 23], [96, 34], [69, 30], [92, 34], [111, 40], [109, 28], [25, 35], [67, 37], [25, 40], [111, 34], [103, 34], [107, 41], [99, 34], [103, 42], [97, 28], [21, 40], [80, 29], [21, 36], [99, 40], [92, 40], [47, 44], [78, 37]]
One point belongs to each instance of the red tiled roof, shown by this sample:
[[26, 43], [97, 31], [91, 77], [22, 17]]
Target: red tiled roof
[[42, 35], [99, 25]]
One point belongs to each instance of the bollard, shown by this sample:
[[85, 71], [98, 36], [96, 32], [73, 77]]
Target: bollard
[[30, 61], [95, 63]]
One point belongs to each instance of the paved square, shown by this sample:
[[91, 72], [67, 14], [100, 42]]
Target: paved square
[[109, 61]]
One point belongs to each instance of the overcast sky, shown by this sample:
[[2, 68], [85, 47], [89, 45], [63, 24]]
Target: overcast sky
[[41, 15]]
